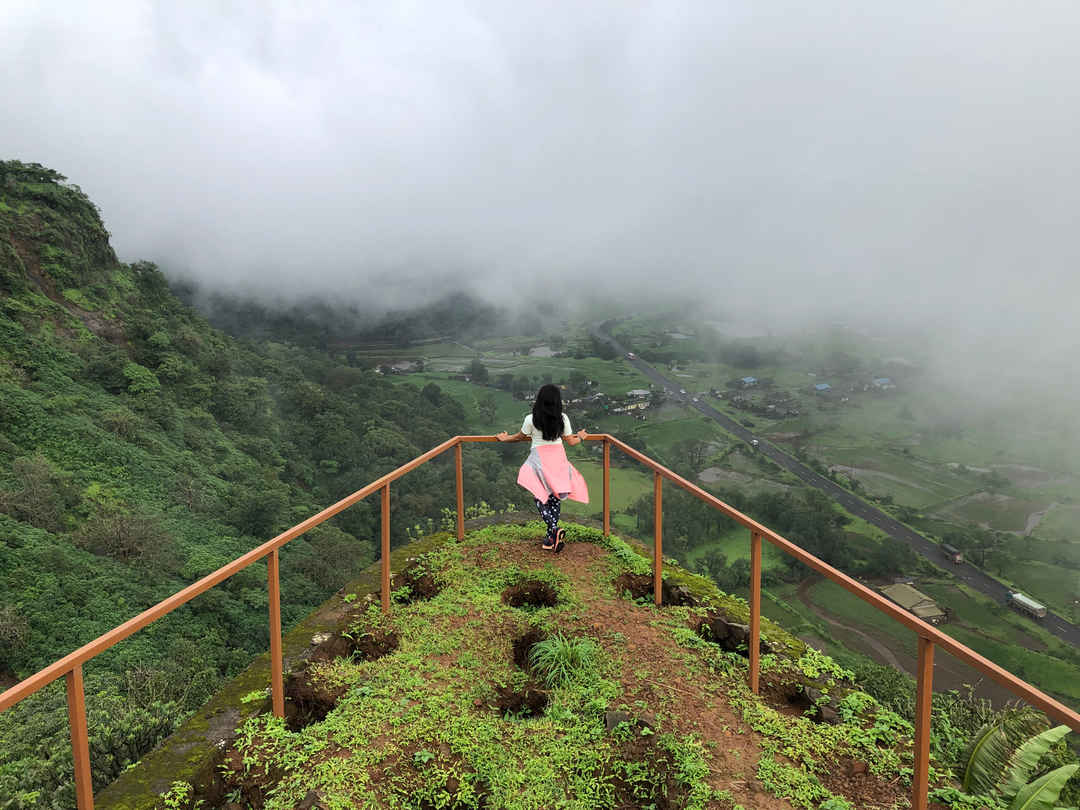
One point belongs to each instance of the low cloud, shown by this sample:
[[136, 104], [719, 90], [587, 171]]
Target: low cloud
[[909, 162]]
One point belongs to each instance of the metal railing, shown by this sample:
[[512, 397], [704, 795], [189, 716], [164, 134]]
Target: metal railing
[[70, 667]]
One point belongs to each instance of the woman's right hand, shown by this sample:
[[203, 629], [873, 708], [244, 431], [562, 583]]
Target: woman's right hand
[[502, 436]]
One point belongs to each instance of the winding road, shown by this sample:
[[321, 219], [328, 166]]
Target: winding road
[[965, 572]]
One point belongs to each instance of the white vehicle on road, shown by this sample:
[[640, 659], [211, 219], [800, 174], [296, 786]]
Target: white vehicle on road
[[754, 442]]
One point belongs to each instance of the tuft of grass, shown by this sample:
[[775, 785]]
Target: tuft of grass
[[559, 660]]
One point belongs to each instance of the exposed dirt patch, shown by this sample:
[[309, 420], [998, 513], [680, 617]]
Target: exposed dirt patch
[[420, 582], [308, 699], [530, 593], [656, 787], [367, 645], [527, 701], [375, 644], [850, 777], [523, 644]]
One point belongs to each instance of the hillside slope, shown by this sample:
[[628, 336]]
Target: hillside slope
[[141, 449], [508, 677]]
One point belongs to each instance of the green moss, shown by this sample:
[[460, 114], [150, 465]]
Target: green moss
[[190, 752]]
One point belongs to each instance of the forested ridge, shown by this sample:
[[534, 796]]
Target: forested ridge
[[141, 449]]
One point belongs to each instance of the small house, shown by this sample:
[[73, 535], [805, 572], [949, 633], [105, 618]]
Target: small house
[[822, 388], [884, 383], [748, 382], [915, 602]]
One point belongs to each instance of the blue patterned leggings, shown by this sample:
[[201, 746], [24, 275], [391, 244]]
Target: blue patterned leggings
[[549, 511]]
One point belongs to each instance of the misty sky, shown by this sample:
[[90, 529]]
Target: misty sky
[[889, 157]]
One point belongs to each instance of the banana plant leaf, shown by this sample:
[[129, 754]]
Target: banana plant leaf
[[1025, 759], [1042, 794], [985, 759]]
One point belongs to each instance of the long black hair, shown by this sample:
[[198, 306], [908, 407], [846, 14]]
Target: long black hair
[[547, 412]]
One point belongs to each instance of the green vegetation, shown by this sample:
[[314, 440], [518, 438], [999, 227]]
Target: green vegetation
[[141, 449], [999, 762], [558, 661], [593, 702]]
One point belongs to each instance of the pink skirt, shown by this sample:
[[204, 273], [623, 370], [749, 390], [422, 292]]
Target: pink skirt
[[547, 471]]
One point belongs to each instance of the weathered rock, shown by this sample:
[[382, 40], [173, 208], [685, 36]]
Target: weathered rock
[[612, 719], [827, 714], [677, 595]]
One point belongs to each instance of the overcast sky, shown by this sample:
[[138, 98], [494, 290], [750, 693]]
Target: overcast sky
[[894, 157]]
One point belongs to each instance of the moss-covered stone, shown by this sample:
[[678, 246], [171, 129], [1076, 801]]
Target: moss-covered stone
[[193, 751]]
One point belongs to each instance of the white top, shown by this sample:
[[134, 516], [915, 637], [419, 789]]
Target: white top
[[537, 435]]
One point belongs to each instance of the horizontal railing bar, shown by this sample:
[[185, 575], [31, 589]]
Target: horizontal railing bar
[[924, 630], [1015, 685], [59, 668]]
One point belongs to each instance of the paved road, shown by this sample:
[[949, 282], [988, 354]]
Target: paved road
[[969, 574]]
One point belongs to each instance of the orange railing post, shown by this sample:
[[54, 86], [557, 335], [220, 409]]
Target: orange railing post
[[277, 665], [607, 487], [386, 547], [460, 493], [923, 704], [80, 739], [658, 539], [755, 609]]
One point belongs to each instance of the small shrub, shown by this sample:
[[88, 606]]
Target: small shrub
[[123, 536], [14, 629], [559, 660]]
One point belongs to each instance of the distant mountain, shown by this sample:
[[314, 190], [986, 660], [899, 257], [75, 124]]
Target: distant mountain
[[335, 326]]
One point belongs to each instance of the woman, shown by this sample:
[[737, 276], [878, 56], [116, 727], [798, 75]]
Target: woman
[[547, 473]]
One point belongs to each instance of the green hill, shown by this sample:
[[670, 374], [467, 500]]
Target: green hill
[[140, 449]]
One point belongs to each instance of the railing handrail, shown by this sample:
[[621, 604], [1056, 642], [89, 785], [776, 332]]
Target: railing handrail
[[70, 666], [894, 611], [103, 642]]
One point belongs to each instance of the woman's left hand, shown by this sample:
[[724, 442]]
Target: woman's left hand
[[502, 436]]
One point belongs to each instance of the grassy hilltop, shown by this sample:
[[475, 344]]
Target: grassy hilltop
[[508, 677]]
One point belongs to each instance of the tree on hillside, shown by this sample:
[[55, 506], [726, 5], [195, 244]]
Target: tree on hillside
[[692, 453], [487, 408], [477, 371]]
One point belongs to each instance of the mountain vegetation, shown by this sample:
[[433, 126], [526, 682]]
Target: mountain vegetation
[[141, 449]]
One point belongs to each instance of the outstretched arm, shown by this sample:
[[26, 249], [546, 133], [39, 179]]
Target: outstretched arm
[[575, 438], [506, 437]]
